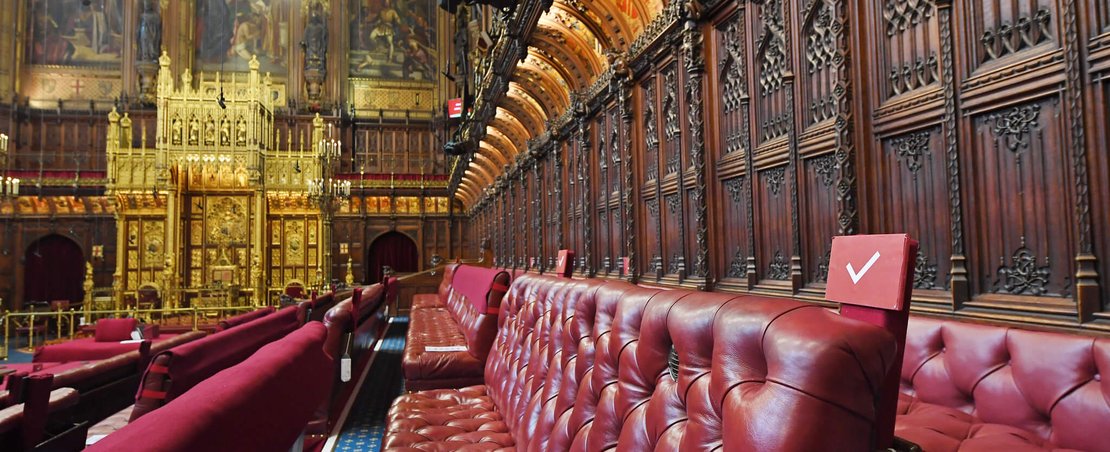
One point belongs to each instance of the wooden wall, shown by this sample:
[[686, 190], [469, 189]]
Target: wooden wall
[[728, 145]]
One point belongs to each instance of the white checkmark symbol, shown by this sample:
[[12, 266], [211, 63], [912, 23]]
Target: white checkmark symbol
[[863, 271]]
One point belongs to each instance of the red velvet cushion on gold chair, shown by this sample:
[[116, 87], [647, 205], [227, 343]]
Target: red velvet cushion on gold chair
[[115, 330]]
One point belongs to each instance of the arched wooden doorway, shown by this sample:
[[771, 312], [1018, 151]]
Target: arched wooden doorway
[[54, 270], [394, 249]]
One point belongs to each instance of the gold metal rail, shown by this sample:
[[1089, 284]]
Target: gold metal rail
[[66, 323]]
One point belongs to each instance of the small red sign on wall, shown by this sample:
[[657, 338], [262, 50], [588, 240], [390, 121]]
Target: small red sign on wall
[[564, 265], [454, 108], [871, 270]]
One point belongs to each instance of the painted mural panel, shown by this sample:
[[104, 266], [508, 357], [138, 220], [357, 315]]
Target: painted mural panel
[[393, 39], [230, 32], [75, 32]]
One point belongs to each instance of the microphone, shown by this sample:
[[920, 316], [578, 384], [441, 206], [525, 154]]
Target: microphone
[[220, 100]]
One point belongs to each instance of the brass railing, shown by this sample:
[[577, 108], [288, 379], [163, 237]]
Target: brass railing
[[64, 325]]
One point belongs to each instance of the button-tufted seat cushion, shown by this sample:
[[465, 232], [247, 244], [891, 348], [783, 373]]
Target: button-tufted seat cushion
[[981, 387], [590, 365], [446, 347]]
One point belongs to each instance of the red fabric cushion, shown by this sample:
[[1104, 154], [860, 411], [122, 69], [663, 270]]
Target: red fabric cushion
[[89, 350], [115, 330], [260, 404]]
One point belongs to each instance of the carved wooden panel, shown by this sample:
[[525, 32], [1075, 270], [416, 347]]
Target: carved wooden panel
[[819, 65], [772, 214], [912, 188], [910, 47], [730, 78], [818, 201], [771, 65], [1004, 31], [1019, 200]]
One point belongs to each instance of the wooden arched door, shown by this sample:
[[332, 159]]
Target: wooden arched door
[[54, 270], [394, 249]]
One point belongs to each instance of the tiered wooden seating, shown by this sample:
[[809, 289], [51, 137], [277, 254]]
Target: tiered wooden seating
[[449, 337], [237, 409], [42, 418], [981, 387], [590, 365]]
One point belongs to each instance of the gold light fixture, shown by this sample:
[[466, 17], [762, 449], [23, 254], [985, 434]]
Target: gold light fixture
[[327, 188], [9, 186]]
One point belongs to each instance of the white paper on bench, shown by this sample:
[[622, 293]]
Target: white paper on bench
[[131, 341], [445, 348], [93, 439]]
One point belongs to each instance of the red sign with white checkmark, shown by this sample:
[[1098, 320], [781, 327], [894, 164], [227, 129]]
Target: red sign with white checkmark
[[564, 264], [871, 270]]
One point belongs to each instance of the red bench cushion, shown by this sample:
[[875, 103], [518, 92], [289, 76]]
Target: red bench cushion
[[989, 386], [238, 409], [88, 349], [115, 330]]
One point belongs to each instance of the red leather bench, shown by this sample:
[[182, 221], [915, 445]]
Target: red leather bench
[[464, 326], [591, 365], [981, 387], [112, 337], [237, 410], [173, 372], [353, 326], [438, 299], [245, 317]]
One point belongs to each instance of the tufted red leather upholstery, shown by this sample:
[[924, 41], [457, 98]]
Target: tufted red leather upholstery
[[438, 299], [583, 365], [981, 387], [467, 319]]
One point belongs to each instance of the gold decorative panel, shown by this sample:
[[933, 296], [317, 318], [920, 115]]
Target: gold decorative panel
[[294, 241]]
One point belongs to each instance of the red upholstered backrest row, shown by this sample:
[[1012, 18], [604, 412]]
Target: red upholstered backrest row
[[474, 302], [445, 284], [240, 319], [262, 403], [173, 372], [1055, 385], [583, 365]]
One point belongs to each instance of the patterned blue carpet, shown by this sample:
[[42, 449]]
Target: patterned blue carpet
[[365, 425]]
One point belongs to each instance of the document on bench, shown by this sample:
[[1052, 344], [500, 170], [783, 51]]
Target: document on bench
[[445, 348], [131, 341]]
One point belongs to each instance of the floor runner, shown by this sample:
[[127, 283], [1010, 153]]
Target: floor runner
[[365, 426]]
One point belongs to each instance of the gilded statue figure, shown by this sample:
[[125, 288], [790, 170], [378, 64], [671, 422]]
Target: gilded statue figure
[[241, 132], [194, 130], [209, 131], [175, 131], [225, 133]]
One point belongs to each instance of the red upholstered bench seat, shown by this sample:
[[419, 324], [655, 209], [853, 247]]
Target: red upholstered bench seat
[[173, 372], [980, 387], [87, 349], [446, 345], [236, 409], [592, 365]]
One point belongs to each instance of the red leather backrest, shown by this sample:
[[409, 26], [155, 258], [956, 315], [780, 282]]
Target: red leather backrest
[[175, 371], [445, 284], [782, 375], [240, 319], [474, 301], [1051, 384], [237, 410], [338, 321]]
